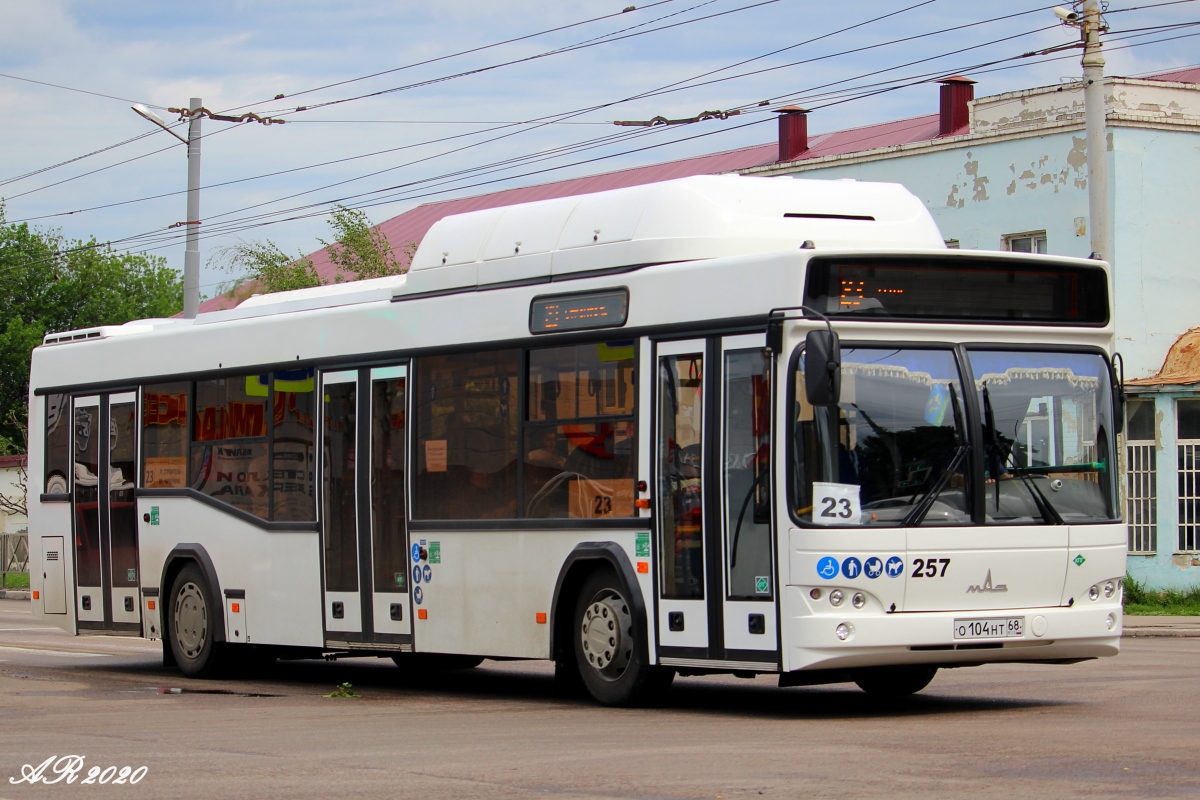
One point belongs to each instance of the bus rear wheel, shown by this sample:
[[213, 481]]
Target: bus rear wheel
[[898, 681], [192, 623], [608, 649]]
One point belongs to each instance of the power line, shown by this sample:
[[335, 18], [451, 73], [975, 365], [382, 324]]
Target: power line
[[454, 55], [80, 91], [562, 118], [589, 43]]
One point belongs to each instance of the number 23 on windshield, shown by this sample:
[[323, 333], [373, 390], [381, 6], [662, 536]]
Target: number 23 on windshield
[[836, 504]]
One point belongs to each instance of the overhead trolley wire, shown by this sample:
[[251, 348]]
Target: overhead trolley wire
[[177, 236], [538, 122], [306, 91]]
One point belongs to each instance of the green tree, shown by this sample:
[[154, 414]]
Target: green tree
[[50, 284], [358, 250], [264, 262]]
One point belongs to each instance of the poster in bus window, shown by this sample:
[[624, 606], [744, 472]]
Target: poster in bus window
[[236, 474], [601, 498], [293, 480]]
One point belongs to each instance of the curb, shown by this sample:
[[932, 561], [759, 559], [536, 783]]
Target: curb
[[1162, 633], [14, 594]]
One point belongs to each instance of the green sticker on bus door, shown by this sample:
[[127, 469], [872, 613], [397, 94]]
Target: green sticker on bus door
[[435, 552], [153, 515], [641, 546], [762, 584]]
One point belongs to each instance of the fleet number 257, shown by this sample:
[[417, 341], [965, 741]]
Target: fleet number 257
[[929, 567]]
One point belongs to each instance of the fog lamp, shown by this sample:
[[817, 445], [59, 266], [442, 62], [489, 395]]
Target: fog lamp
[[844, 631], [1111, 621]]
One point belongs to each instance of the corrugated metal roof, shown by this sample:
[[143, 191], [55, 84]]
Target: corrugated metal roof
[[411, 226], [1187, 75]]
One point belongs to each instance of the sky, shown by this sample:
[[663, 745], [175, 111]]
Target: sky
[[386, 105]]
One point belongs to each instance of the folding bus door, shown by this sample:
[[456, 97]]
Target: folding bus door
[[716, 571], [364, 541], [104, 512]]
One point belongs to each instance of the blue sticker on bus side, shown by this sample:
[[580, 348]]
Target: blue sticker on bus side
[[873, 567], [416, 573], [827, 568], [427, 573], [851, 567], [418, 595], [894, 567], [416, 552]]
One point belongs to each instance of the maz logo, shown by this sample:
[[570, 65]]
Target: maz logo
[[987, 585]]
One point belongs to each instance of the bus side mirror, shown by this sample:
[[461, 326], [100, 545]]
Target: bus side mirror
[[822, 368]]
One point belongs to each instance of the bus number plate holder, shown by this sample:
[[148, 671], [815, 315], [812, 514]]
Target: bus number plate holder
[[989, 628]]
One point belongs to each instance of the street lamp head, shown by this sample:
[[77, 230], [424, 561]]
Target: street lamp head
[[151, 117]]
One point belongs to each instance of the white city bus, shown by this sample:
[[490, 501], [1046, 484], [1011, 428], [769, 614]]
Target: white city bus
[[720, 424]]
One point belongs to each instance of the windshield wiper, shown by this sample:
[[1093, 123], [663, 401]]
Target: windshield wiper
[[1045, 507], [926, 502]]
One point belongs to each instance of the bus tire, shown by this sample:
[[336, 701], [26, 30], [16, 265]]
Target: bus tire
[[610, 648], [899, 681], [192, 628]]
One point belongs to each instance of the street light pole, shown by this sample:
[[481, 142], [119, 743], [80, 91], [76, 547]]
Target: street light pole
[[191, 254]]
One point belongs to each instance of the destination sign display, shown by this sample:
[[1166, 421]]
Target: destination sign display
[[930, 288], [579, 312]]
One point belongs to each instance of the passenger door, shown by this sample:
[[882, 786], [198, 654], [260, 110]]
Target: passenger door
[[716, 568], [363, 510], [104, 512]]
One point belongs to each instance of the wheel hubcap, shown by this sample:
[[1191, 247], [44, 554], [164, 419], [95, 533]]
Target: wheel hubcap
[[191, 620], [606, 634]]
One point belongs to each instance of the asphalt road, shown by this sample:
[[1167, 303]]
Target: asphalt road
[[1123, 727]]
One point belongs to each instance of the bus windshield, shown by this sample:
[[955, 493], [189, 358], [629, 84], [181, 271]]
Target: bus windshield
[[1047, 435], [901, 447]]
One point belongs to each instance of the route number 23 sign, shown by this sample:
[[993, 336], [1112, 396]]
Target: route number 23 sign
[[836, 504]]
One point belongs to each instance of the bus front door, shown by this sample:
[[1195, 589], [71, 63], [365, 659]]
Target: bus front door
[[364, 532], [104, 513], [716, 568]]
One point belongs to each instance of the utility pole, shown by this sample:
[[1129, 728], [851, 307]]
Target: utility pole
[[1097, 139], [191, 253]]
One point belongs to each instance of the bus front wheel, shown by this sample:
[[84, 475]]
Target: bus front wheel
[[192, 621], [609, 653], [899, 681]]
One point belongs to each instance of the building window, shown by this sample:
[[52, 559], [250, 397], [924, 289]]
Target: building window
[[1034, 242], [1187, 421], [1141, 476]]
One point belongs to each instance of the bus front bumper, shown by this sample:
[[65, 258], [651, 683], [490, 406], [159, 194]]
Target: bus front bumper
[[850, 638]]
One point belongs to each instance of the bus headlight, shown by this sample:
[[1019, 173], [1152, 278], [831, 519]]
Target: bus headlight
[[1110, 588], [858, 600], [1093, 592], [836, 597]]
